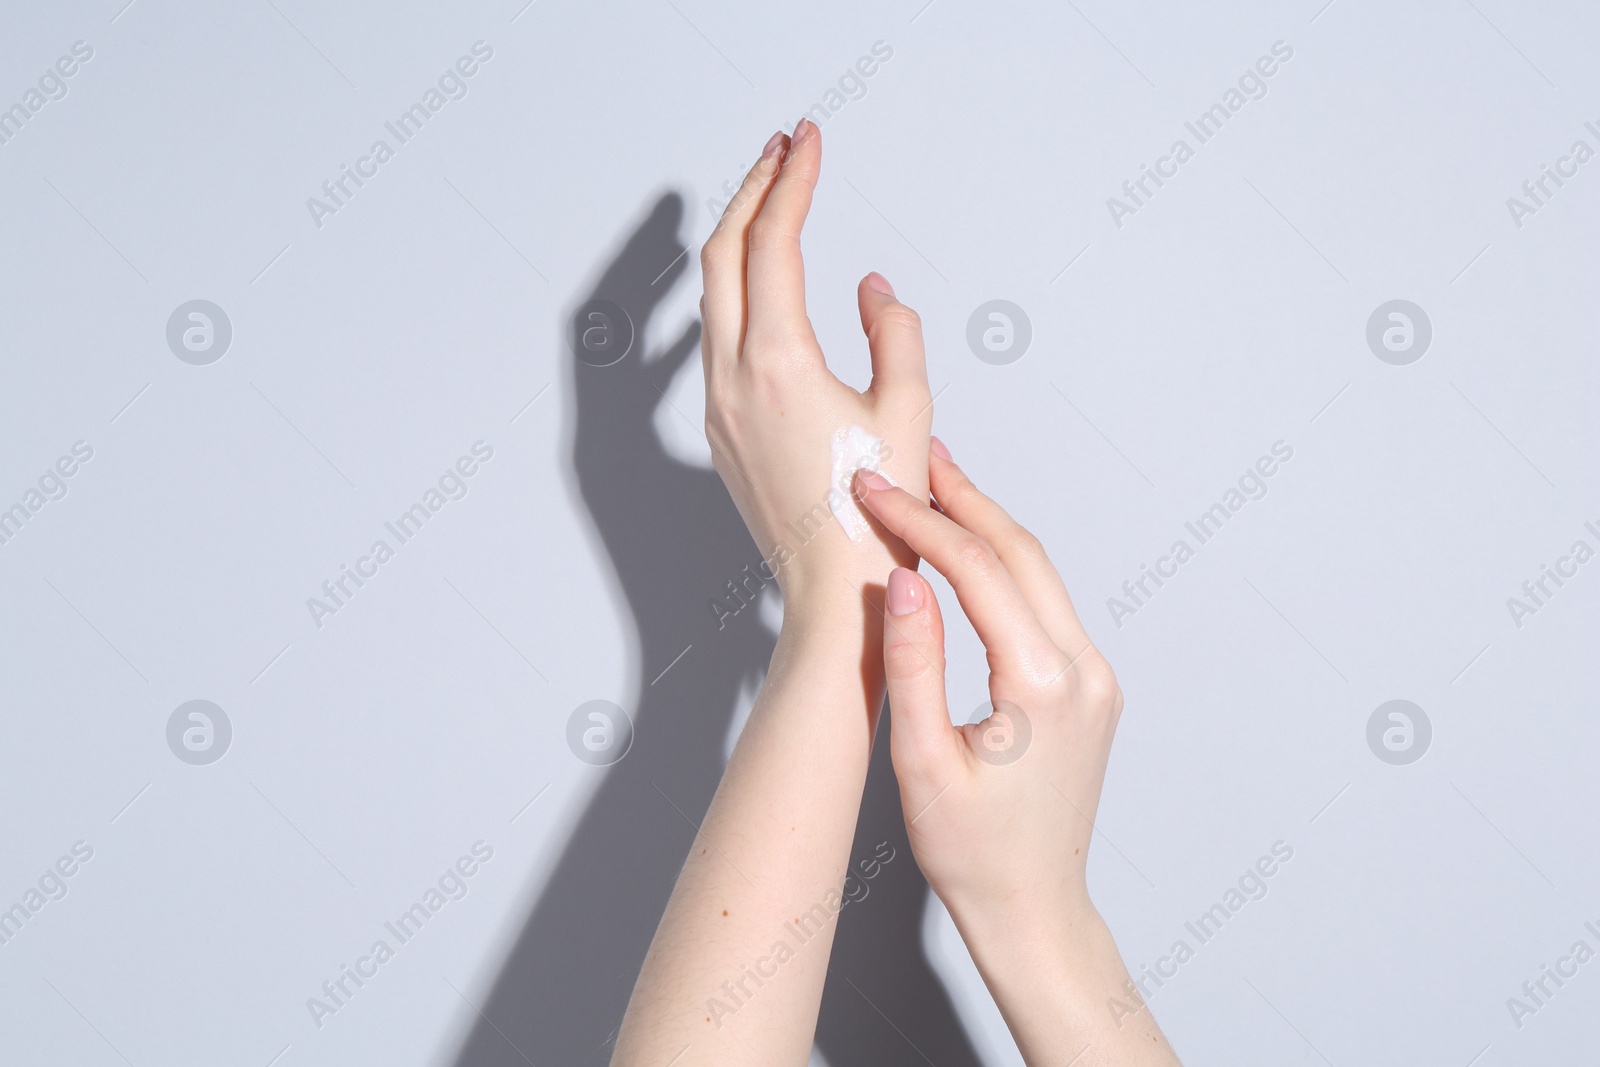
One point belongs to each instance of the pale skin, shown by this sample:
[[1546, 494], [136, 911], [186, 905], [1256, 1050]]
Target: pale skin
[[1003, 844]]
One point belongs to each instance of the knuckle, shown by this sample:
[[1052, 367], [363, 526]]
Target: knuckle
[[897, 319], [973, 553], [913, 525], [797, 173], [1021, 542], [722, 249], [904, 661], [769, 388], [962, 493], [767, 233], [1102, 695], [778, 370]]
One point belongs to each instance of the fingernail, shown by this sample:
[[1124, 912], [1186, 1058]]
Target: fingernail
[[936, 446], [803, 129], [905, 592], [772, 145], [873, 480], [878, 283]]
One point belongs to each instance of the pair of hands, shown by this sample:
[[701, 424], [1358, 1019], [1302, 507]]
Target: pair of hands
[[1003, 841]]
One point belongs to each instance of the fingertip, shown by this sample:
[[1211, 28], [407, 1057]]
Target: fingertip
[[906, 592], [937, 447], [899, 358], [757, 180], [802, 155], [872, 479], [865, 487], [770, 165]]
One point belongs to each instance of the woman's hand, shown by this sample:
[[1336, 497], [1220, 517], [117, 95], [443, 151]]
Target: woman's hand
[[1000, 813], [772, 406], [775, 843]]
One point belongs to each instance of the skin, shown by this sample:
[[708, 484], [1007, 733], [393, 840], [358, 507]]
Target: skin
[[775, 842], [1003, 846], [1001, 813]]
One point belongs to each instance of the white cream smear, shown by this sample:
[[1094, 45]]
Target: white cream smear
[[853, 449]]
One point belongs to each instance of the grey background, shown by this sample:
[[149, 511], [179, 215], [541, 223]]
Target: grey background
[[430, 712]]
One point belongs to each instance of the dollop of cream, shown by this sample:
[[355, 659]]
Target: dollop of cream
[[853, 449]]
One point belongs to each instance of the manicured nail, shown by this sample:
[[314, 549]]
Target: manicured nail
[[905, 592], [803, 129], [878, 283], [873, 480], [936, 446], [772, 145]]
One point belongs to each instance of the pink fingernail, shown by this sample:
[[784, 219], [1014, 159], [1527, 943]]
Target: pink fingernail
[[936, 446], [905, 592], [878, 283], [873, 480], [803, 129], [772, 145]]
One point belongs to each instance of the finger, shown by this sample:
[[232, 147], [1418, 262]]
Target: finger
[[922, 743], [777, 274], [894, 335], [1021, 552], [1004, 621], [723, 256]]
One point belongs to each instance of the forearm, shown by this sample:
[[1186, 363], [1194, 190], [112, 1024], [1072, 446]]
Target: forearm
[[735, 972], [1062, 987]]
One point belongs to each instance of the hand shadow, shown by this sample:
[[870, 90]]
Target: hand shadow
[[675, 540]]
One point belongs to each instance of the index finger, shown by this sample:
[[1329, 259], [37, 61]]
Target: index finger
[[999, 612], [1019, 549], [723, 256]]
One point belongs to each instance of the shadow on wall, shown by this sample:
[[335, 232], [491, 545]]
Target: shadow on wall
[[674, 539]]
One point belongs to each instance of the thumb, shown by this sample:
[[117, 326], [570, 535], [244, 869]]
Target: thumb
[[923, 745], [894, 334]]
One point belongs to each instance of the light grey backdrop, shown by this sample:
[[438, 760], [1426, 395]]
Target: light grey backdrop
[[1175, 339]]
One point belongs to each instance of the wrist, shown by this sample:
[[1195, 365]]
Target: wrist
[[832, 638], [1034, 935], [822, 572], [836, 595], [1060, 958]]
